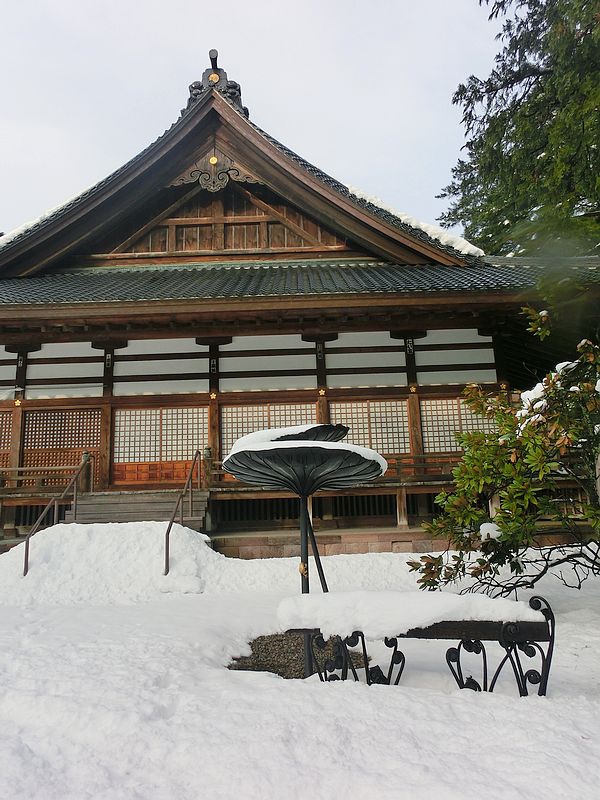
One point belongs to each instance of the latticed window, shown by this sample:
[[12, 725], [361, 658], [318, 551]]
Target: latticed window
[[237, 421], [159, 434], [62, 429], [441, 419], [59, 438], [380, 424], [5, 428]]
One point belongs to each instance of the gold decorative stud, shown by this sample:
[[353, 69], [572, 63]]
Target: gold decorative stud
[[213, 160], [322, 392], [503, 386], [413, 389], [213, 77], [213, 395], [17, 402]]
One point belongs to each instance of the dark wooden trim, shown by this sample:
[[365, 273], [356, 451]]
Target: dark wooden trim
[[21, 374], [387, 370], [174, 376], [23, 348], [423, 348], [455, 367], [213, 368], [321, 364], [268, 351], [207, 341], [270, 373], [319, 337], [411, 364], [122, 358], [109, 344], [108, 372]]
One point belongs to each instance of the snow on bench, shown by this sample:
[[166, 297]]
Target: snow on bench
[[354, 618]]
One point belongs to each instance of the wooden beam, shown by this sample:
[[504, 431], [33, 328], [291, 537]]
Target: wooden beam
[[272, 212]]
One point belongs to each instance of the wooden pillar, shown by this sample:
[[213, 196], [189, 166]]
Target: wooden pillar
[[401, 508], [103, 462], [415, 431], [16, 436]]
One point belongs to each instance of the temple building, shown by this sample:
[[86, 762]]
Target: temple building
[[217, 284]]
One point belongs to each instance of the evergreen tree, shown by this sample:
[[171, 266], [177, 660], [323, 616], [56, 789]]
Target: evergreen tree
[[530, 180]]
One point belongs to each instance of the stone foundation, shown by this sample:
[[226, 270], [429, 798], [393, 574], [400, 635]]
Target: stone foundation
[[285, 544]]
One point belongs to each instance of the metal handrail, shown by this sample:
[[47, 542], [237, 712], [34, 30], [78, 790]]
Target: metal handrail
[[54, 503], [188, 487]]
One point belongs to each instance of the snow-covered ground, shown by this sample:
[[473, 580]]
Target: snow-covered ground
[[113, 685]]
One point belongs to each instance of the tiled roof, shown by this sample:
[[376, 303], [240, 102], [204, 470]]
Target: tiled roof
[[49, 218], [212, 281]]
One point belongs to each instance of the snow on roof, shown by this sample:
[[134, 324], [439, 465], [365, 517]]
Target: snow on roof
[[434, 231], [379, 614]]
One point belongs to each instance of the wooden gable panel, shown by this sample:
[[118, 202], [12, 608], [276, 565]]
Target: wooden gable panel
[[233, 219]]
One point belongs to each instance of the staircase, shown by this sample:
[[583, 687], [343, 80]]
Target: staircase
[[139, 507]]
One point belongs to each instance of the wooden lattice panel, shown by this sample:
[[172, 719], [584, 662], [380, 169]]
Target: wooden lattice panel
[[5, 432], [183, 431], [59, 438], [137, 435], [77, 429], [157, 445], [474, 422], [380, 424], [442, 419], [237, 421]]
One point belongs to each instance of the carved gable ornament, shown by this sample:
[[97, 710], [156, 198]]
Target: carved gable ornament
[[213, 171]]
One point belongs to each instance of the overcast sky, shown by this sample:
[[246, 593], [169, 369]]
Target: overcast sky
[[361, 89]]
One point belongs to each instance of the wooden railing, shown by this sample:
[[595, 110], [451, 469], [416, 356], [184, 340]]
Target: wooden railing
[[402, 467], [83, 473], [188, 490]]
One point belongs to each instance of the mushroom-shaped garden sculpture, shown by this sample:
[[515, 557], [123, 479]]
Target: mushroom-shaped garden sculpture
[[303, 459]]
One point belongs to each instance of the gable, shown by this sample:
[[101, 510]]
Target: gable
[[95, 217], [232, 220]]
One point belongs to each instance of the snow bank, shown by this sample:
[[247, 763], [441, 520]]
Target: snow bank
[[103, 564], [122, 563], [379, 614]]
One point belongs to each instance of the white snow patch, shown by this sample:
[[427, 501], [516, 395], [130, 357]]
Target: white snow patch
[[434, 231], [489, 530], [380, 614], [133, 701]]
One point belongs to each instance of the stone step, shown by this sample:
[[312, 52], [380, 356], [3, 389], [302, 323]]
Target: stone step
[[138, 507]]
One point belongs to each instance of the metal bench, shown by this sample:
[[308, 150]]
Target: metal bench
[[518, 640]]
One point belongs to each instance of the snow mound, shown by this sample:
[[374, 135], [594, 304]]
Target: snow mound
[[104, 564], [122, 563]]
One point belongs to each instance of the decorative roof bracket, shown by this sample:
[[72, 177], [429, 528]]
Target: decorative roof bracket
[[213, 171]]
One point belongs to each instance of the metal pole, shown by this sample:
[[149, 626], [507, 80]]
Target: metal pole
[[304, 523], [315, 549], [304, 526]]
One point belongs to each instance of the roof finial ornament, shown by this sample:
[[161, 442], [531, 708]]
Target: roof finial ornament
[[216, 78]]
